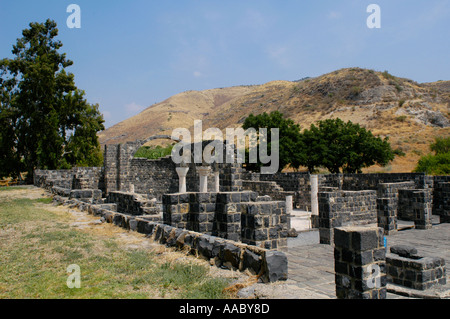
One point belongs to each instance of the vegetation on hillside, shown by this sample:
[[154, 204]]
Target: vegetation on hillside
[[439, 162]]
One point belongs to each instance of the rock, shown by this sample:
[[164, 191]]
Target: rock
[[276, 266], [404, 251], [292, 233], [252, 262]]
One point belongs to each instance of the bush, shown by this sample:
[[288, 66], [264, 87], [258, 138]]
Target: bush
[[438, 163], [434, 164]]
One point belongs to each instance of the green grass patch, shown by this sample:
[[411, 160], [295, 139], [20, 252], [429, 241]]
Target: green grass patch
[[153, 152], [37, 246]]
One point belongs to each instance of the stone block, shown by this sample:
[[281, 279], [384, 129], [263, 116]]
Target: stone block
[[275, 266]]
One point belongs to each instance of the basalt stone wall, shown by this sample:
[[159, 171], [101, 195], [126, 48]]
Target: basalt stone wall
[[239, 216], [265, 224], [123, 172], [270, 188], [345, 208], [270, 266], [132, 203], [415, 205], [441, 198], [153, 177], [88, 178], [371, 181], [387, 204], [404, 267], [360, 263], [75, 178], [280, 185], [49, 178]]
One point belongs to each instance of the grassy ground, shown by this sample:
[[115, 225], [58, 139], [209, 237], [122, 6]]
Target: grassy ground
[[38, 242]]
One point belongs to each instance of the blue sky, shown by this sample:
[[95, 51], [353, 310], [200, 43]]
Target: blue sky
[[131, 54]]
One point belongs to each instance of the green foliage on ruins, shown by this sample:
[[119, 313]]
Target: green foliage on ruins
[[154, 152], [439, 162], [45, 120]]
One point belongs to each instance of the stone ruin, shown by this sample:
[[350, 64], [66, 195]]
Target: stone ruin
[[241, 219]]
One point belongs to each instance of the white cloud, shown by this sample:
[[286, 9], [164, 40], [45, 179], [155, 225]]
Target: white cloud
[[197, 74], [106, 115], [133, 108], [279, 54], [334, 15]]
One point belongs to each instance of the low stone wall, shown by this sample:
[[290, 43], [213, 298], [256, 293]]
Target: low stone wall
[[441, 200], [75, 178], [299, 182], [133, 204], [49, 178], [415, 205], [387, 204], [240, 216], [345, 208], [270, 266], [404, 267], [87, 195]]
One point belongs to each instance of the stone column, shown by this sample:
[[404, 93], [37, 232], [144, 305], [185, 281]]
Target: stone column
[[216, 182], [360, 262], [314, 190], [204, 171], [289, 205], [182, 172]]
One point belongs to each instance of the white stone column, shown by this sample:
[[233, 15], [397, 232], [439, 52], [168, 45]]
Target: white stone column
[[289, 205], [203, 171], [314, 191], [182, 172], [216, 182]]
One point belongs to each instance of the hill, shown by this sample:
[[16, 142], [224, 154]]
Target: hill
[[410, 113]]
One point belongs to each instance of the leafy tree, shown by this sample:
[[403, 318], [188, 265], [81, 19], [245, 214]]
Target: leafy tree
[[337, 146], [290, 143], [45, 120], [441, 145], [438, 163]]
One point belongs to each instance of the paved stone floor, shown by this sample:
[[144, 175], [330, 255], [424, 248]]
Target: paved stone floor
[[311, 264]]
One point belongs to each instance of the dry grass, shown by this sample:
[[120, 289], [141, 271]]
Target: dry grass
[[38, 241]]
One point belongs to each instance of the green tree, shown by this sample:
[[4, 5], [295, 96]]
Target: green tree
[[441, 145], [290, 143], [439, 162], [346, 147], [46, 121]]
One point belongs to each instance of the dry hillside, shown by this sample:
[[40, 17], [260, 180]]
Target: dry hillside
[[411, 114]]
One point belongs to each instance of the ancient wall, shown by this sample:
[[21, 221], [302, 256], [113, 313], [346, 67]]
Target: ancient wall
[[441, 198], [345, 208], [75, 178], [239, 216], [387, 204], [415, 205]]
